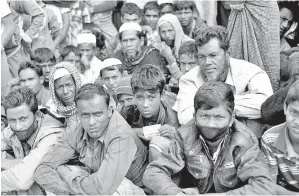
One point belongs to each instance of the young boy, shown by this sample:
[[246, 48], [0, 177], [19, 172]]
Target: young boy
[[153, 106], [281, 146], [124, 93], [71, 54], [46, 60]]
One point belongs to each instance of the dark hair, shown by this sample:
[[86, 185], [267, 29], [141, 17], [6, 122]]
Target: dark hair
[[19, 96], [165, 4], [181, 5], [31, 65], [292, 6], [212, 94], [68, 49], [206, 33], [293, 94], [148, 78], [131, 8], [100, 40], [152, 5], [88, 91], [189, 48], [120, 68], [43, 55], [139, 35]]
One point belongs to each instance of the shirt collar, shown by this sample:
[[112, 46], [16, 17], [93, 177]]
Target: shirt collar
[[87, 138]]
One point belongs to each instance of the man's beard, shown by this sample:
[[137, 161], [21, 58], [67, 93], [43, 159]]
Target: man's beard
[[220, 78]]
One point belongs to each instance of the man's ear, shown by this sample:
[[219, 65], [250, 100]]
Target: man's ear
[[110, 111], [285, 109], [142, 41], [232, 120], [122, 19], [227, 54], [42, 80]]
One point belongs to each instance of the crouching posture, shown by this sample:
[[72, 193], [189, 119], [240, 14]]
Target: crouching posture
[[103, 144], [218, 153]]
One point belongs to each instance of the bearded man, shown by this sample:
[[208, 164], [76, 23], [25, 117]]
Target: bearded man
[[251, 85]]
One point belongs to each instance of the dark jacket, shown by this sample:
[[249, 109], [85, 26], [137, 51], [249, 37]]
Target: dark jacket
[[240, 169]]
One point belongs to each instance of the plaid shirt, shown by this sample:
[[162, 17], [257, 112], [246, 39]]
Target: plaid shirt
[[281, 157]]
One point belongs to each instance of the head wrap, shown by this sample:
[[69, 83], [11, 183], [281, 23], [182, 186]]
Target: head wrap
[[66, 68], [160, 2], [86, 38], [130, 26], [124, 87], [180, 36], [110, 62]]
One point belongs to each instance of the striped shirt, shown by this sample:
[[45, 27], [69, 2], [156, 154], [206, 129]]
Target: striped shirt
[[282, 159]]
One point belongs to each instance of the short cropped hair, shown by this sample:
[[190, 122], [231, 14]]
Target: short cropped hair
[[189, 48], [205, 34], [293, 94], [88, 91], [152, 5], [139, 35], [148, 78], [212, 94], [165, 4], [120, 68], [131, 8], [43, 55], [31, 65], [292, 6], [185, 4], [20, 96], [68, 49]]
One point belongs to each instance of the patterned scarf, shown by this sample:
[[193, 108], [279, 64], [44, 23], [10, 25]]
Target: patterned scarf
[[70, 110]]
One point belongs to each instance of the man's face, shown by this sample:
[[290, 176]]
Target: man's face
[[210, 122], [167, 9], [131, 18], [187, 62], [94, 115], [21, 121], [29, 78], [74, 59], [286, 18], [111, 79], [148, 103], [212, 59], [167, 33], [131, 43], [185, 16], [126, 100], [65, 89], [47, 66], [151, 18], [87, 49], [292, 119]]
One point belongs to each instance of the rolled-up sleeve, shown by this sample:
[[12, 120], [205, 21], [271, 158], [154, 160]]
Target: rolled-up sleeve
[[158, 173], [20, 177], [118, 159], [249, 104]]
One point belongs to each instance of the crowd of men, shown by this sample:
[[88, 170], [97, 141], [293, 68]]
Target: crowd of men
[[149, 97]]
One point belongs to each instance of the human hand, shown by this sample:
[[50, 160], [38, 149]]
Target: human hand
[[13, 82], [181, 193], [167, 131], [63, 170], [191, 191], [173, 82], [140, 134]]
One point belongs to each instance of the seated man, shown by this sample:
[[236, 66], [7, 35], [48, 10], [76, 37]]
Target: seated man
[[251, 85], [281, 146], [133, 53], [105, 146], [31, 75], [220, 154], [25, 141], [153, 106], [124, 93], [111, 74], [45, 59], [185, 11]]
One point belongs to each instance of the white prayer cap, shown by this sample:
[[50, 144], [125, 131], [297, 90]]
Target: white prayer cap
[[86, 38], [160, 2], [130, 26], [110, 62], [60, 72]]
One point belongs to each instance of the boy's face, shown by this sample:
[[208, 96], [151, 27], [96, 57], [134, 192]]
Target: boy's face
[[185, 16], [151, 18], [74, 59], [148, 103], [47, 66], [126, 100], [292, 119], [131, 18], [167, 9], [111, 79], [187, 62], [29, 78]]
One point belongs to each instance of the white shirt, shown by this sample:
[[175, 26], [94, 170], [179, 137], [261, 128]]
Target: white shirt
[[93, 73], [252, 87], [5, 10]]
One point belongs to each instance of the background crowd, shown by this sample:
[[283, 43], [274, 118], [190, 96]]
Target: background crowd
[[149, 97]]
